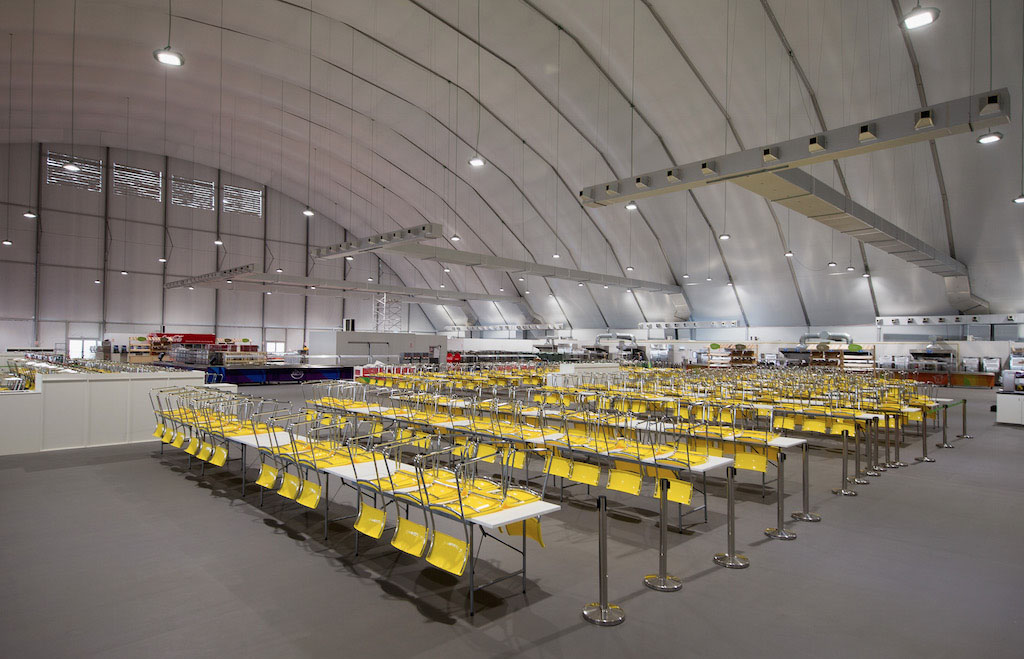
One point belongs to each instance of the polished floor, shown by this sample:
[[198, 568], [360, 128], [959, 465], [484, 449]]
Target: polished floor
[[122, 552]]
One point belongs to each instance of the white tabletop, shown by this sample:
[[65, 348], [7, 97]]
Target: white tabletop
[[514, 514], [711, 463]]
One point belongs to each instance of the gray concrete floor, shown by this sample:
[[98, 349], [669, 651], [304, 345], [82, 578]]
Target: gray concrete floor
[[122, 552]]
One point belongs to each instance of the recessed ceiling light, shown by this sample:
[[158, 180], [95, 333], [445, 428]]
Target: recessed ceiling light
[[556, 255], [865, 275], [218, 241], [350, 258], [96, 281], [369, 279], [230, 281], [631, 205], [312, 288], [708, 278], [501, 290], [606, 285], [191, 288], [526, 292], [832, 264], [279, 270], [580, 284], [124, 272], [629, 290], [629, 268], [789, 253], [447, 269], [1019, 199], [269, 292], [729, 284], [29, 215], [919, 17], [724, 236], [72, 167], [686, 276], [476, 161], [308, 212], [521, 279], [990, 138], [168, 56], [442, 285], [6, 242], [162, 259], [850, 268]]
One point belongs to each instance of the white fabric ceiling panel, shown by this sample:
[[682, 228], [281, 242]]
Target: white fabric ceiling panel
[[133, 299], [69, 293], [17, 295]]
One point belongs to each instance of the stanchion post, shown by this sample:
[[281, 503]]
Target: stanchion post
[[874, 469], [963, 434], [856, 455], [731, 559], [945, 424], [843, 490], [663, 581], [780, 532], [924, 437], [900, 426], [806, 515], [602, 613]]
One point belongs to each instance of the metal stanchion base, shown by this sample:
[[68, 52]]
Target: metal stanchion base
[[780, 534], [613, 615], [806, 517], [735, 561], [901, 463], [845, 492], [666, 584], [924, 459], [944, 445], [965, 436], [872, 472], [860, 481], [878, 468]]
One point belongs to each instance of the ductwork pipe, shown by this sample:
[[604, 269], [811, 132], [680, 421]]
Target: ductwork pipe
[[826, 336]]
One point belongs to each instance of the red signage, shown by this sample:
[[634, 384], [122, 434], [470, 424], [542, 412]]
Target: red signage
[[454, 357], [168, 337]]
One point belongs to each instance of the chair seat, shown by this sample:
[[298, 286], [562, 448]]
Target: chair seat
[[410, 537], [448, 553], [370, 521]]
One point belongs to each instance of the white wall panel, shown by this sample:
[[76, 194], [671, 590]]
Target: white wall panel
[[69, 294], [17, 290], [133, 299]]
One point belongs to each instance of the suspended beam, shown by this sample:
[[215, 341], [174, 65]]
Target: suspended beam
[[962, 115], [371, 243], [799, 191], [457, 257]]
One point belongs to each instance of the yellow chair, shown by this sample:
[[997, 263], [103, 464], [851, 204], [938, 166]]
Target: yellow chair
[[168, 434], [784, 423], [159, 432], [219, 457], [530, 527], [370, 520], [558, 466], [583, 472], [290, 486], [410, 537], [205, 451], [193, 446], [267, 476], [309, 495], [838, 427], [514, 459], [819, 425], [751, 462], [179, 440], [448, 553], [679, 491], [621, 480]]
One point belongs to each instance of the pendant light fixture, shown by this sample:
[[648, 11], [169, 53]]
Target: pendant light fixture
[[1019, 199], [308, 212], [167, 55], [919, 16], [30, 213], [70, 165], [477, 160], [6, 242], [990, 136]]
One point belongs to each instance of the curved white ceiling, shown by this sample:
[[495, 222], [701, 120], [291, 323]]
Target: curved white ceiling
[[397, 96]]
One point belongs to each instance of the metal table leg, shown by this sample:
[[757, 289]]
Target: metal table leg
[[806, 515], [963, 434], [780, 532], [945, 419], [731, 559], [599, 613], [846, 451], [663, 581], [472, 569]]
